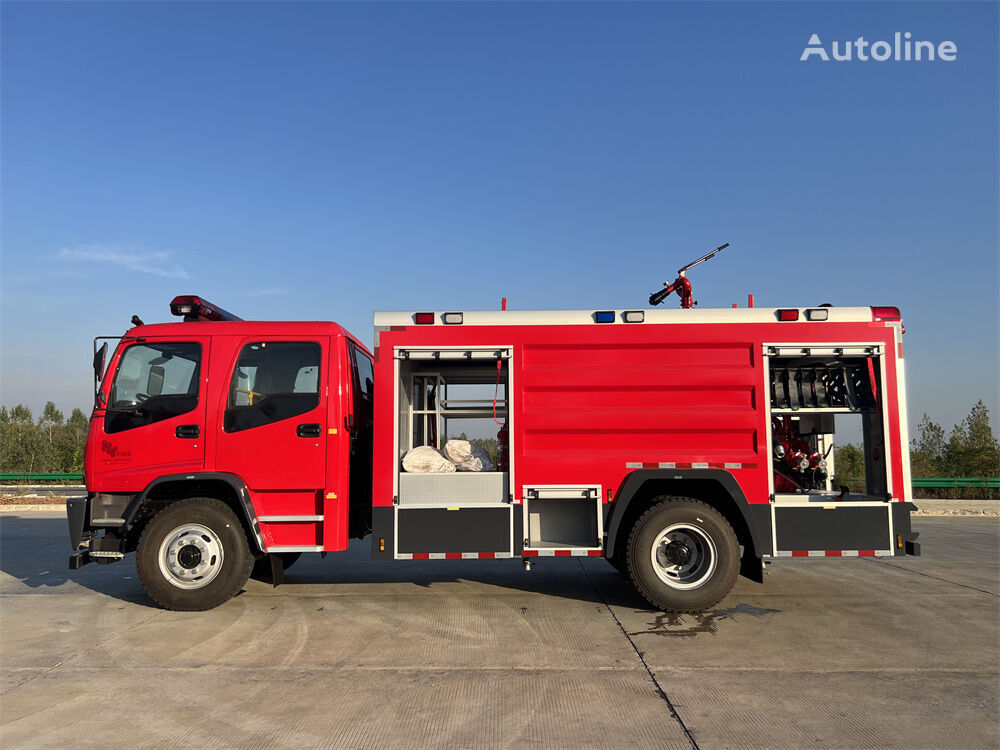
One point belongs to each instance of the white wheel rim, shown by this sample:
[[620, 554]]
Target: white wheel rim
[[191, 556], [703, 556]]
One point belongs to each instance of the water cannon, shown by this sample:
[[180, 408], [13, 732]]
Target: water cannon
[[682, 285]]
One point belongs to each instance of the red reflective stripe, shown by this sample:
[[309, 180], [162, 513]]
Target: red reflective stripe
[[648, 465], [834, 553], [487, 555], [866, 553], [800, 553], [871, 376], [529, 553], [452, 555], [421, 555], [595, 553], [716, 465], [563, 553]]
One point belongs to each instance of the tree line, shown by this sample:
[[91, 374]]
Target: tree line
[[50, 444], [53, 443], [970, 450]]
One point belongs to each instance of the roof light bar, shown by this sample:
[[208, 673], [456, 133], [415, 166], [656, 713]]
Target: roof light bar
[[194, 308], [452, 318], [604, 316], [886, 313], [633, 316], [788, 315], [423, 318], [818, 313]]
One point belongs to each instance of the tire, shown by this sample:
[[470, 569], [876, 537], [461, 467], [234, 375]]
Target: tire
[[193, 555], [683, 555], [262, 567]]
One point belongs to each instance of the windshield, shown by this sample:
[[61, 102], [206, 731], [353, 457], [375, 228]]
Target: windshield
[[155, 370]]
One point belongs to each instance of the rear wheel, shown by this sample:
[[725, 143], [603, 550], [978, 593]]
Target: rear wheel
[[193, 555], [683, 555]]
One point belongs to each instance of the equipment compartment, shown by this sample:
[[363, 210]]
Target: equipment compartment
[[812, 390], [559, 517], [442, 394]]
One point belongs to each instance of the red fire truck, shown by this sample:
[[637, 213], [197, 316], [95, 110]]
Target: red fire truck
[[683, 446]]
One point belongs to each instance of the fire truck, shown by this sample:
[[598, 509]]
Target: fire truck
[[685, 447]]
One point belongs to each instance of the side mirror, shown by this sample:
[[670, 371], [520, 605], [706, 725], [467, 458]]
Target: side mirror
[[99, 357]]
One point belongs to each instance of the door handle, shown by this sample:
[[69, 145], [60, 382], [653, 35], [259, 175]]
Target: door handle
[[309, 430], [187, 431]]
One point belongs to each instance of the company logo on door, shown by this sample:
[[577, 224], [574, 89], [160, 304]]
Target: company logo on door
[[113, 450], [902, 48]]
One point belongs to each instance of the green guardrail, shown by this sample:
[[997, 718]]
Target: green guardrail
[[992, 483], [42, 477]]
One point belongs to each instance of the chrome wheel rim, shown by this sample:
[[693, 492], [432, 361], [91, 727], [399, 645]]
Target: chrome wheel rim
[[191, 556], [684, 556]]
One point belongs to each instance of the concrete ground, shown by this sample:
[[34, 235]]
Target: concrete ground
[[351, 653]]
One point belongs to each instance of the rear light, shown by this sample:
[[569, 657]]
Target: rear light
[[819, 313], [886, 313], [788, 314], [424, 318], [452, 318], [604, 316], [634, 316]]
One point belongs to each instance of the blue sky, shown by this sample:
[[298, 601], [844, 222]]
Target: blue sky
[[323, 160]]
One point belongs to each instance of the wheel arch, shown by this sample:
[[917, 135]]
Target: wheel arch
[[715, 487], [225, 487]]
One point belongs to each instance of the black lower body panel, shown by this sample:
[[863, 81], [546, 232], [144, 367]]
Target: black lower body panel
[[837, 526], [432, 530]]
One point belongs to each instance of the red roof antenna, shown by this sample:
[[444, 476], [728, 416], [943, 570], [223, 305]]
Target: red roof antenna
[[682, 285], [503, 303]]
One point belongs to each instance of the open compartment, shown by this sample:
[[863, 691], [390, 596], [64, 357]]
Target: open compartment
[[822, 400], [447, 394], [563, 517]]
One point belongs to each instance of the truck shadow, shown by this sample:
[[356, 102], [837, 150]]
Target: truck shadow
[[34, 552]]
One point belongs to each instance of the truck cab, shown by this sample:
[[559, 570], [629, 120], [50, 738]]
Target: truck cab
[[262, 429]]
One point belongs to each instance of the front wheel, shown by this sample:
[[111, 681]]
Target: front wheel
[[193, 555], [683, 555]]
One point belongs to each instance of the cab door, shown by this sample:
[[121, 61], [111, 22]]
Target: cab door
[[273, 423], [154, 419]]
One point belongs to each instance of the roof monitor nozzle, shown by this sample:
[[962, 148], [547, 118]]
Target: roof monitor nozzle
[[681, 284]]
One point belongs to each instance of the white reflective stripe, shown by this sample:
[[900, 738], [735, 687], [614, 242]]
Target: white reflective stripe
[[465, 556], [296, 548], [633, 464], [582, 552], [668, 465], [732, 466], [699, 465], [288, 519], [385, 318], [842, 553]]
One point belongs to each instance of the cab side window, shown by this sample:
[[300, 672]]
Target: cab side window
[[153, 382], [272, 381], [364, 379]]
